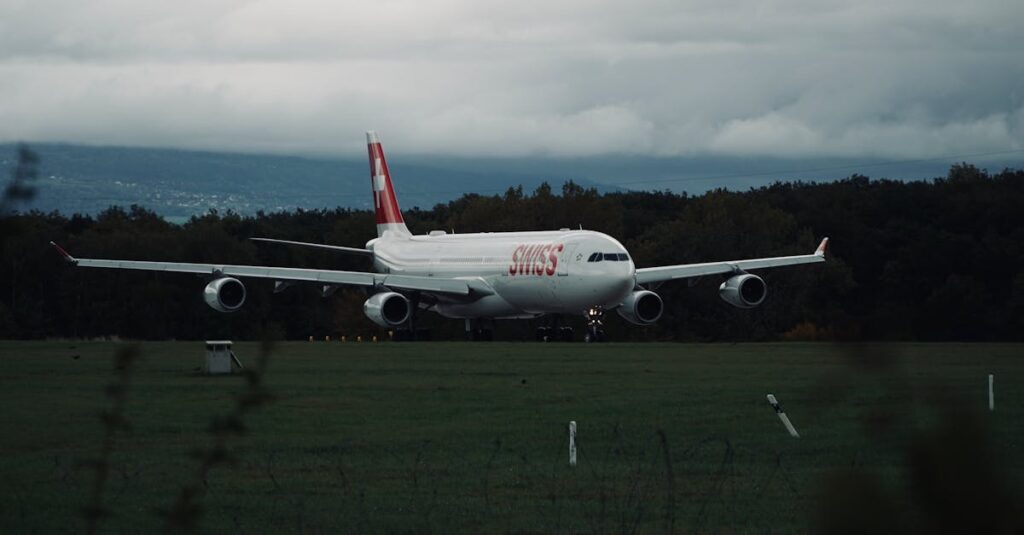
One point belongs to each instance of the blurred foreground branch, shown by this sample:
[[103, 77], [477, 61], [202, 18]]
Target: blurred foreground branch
[[20, 188], [113, 421], [185, 513]]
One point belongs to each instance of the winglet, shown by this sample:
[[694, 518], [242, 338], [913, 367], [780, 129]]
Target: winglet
[[820, 251], [64, 253]]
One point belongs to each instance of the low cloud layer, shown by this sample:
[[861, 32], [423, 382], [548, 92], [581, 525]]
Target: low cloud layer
[[909, 79]]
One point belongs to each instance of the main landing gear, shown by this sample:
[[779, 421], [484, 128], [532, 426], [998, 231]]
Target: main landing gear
[[478, 331], [555, 333], [594, 331]]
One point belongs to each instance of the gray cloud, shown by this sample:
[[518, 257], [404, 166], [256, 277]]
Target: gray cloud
[[793, 78]]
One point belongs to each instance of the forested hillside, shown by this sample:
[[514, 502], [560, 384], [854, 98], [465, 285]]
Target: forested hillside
[[928, 260]]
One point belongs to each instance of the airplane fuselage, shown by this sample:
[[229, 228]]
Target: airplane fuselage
[[531, 273]]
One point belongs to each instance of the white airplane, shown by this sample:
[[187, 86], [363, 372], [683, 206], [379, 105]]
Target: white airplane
[[481, 277]]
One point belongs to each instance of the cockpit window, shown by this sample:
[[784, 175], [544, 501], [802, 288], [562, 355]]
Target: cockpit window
[[610, 257]]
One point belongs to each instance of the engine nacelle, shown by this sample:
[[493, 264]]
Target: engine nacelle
[[224, 294], [387, 309], [642, 307], [743, 291]]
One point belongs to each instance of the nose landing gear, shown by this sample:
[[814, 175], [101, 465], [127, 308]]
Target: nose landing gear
[[595, 333]]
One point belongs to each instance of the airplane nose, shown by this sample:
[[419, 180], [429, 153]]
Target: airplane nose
[[619, 281]]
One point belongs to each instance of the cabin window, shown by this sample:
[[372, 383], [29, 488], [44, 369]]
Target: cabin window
[[595, 257]]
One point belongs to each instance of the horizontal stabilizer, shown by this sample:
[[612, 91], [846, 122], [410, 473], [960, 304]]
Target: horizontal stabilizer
[[336, 248]]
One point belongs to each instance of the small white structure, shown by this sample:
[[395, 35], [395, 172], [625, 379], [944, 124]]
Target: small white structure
[[220, 358], [572, 443], [782, 416], [991, 392]]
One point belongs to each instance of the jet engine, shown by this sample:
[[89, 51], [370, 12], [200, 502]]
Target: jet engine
[[743, 291], [387, 309], [224, 294], [641, 307]]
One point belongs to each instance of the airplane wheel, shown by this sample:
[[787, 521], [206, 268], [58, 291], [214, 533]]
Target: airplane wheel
[[543, 334], [482, 335], [424, 335], [565, 334]]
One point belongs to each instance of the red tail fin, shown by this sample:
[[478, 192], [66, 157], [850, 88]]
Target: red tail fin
[[385, 204]]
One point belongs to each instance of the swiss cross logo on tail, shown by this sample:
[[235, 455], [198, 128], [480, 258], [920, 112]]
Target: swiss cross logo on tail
[[385, 205], [379, 182], [536, 259]]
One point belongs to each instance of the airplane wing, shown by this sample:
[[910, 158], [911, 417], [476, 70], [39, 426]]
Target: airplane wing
[[450, 286], [684, 271]]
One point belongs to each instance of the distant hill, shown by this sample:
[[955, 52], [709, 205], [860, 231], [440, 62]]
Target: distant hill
[[178, 184]]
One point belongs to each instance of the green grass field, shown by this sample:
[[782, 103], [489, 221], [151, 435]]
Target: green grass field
[[461, 437]]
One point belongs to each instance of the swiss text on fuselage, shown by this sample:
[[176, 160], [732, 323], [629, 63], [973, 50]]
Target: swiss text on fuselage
[[538, 259]]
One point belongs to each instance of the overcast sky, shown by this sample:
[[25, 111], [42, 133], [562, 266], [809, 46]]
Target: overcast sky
[[867, 78]]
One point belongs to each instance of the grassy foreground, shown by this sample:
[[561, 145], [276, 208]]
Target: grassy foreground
[[461, 437]]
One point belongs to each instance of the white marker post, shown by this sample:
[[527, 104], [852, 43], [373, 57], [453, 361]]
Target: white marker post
[[991, 392], [782, 416], [572, 443]]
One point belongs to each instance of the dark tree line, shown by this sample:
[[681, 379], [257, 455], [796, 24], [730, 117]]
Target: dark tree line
[[930, 260]]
